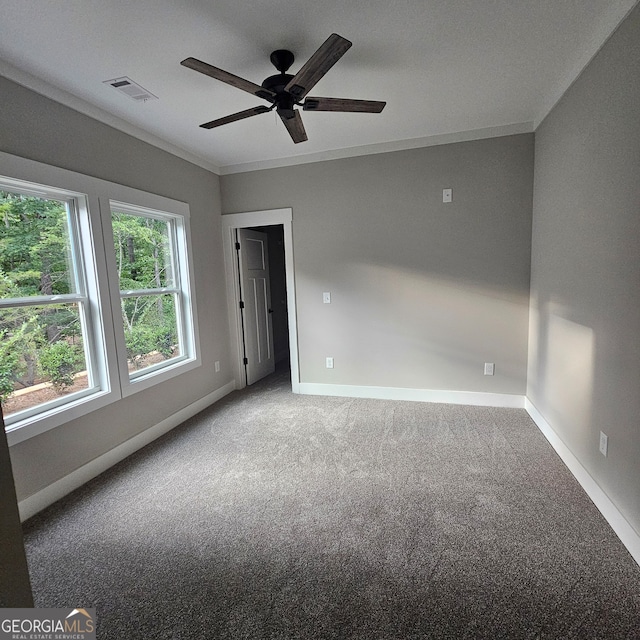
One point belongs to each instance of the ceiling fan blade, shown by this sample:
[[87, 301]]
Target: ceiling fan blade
[[295, 127], [229, 78], [343, 104], [236, 116], [333, 48]]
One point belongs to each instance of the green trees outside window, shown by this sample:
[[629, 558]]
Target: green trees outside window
[[41, 296], [41, 338], [149, 295], [96, 295]]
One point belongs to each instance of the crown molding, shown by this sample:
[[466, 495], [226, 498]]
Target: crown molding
[[88, 109], [61, 96], [383, 147]]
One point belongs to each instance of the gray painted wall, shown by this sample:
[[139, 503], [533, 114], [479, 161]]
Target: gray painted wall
[[37, 128], [584, 360], [423, 293]]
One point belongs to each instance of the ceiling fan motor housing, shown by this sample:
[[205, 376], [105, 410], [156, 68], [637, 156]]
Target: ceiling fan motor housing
[[284, 101], [277, 83]]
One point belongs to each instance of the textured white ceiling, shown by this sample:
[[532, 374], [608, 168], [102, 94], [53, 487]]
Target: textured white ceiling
[[447, 68]]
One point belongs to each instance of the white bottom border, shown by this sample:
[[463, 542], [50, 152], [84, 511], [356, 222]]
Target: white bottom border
[[476, 398], [620, 525], [50, 494]]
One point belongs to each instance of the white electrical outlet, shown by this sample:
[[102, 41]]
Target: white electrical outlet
[[329, 363], [604, 444], [489, 368], [217, 365]]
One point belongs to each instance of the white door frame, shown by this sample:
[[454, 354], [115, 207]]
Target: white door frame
[[230, 223]]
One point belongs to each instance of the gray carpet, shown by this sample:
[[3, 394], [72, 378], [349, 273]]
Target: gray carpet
[[276, 516]]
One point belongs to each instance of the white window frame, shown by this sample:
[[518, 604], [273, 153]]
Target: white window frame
[[99, 341], [177, 213], [81, 249], [92, 197]]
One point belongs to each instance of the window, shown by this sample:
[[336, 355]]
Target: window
[[96, 298], [50, 351], [151, 265]]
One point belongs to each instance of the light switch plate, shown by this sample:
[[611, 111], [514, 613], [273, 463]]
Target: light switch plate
[[447, 195], [326, 297], [604, 444]]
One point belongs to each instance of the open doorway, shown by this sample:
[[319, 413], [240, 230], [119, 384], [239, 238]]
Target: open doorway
[[275, 226], [263, 300]]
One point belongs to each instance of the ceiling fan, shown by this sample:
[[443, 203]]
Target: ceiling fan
[[285, 91]]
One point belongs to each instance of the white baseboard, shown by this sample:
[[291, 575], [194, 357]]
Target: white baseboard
[[620, 525], [476, 398], [627, 534], [50, 494]]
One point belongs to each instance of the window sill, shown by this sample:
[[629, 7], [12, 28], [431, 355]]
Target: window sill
[[32, 426]]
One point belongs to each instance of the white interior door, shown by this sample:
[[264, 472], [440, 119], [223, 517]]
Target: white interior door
[[256, 300]]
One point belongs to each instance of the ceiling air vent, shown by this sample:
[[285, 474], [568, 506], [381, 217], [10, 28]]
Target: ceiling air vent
[[131, 89]]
